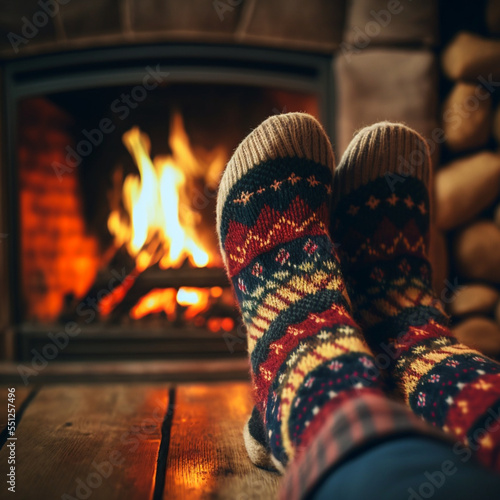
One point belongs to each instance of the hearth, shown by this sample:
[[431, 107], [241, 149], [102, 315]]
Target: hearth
[[114, 158]]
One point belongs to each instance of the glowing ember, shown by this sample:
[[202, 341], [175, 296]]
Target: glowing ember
[[189, 296], [156, 301], [217, 324], [195, 300]]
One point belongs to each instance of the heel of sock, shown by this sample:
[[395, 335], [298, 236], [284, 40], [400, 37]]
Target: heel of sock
[[256, 444]]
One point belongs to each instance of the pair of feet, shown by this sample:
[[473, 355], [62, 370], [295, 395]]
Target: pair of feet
[[331, 273]]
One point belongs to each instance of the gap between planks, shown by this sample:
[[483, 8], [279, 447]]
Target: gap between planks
[[182, 444], [77, 441], [207, 458]]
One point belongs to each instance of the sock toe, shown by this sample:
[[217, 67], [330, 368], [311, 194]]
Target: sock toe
[[283, 167], [384, 149], [280, 136]]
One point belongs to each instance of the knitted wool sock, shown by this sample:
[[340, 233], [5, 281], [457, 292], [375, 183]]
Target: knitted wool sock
[[382, 225], [307, 355]]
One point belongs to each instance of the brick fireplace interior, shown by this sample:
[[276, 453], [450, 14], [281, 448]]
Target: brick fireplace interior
[[119, 116], [121, 215]]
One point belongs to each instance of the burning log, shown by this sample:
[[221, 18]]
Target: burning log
[[185, 276], [138, 285], [122, 263], [163, 238]]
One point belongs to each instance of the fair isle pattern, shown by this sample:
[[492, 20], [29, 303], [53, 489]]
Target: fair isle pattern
[[273, 219], [247, 242], [374, 229], [292, 179], [294, 135], [382, 224], [286, 276], [387, 291], [262, 305], [297, 380]]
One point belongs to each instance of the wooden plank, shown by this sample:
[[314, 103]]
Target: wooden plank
[[207, 456], [21, 394], [153, 371], [98, 442]]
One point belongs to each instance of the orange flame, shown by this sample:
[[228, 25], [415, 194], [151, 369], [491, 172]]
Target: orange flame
[[153, 202], [156, 301], [157, 223], [194, 300]]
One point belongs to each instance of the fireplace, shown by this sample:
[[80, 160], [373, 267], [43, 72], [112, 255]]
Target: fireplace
[[114, 158], [179, 80]]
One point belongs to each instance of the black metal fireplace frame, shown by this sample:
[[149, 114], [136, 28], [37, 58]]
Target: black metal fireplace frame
[[187, 63]]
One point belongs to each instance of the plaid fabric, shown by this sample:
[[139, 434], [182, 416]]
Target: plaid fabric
[[358, 423]]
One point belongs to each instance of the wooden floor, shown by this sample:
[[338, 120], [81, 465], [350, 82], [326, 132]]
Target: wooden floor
[[143, 441]]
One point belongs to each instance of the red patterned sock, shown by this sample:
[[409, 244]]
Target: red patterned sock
[[309, 361], [382, 224]]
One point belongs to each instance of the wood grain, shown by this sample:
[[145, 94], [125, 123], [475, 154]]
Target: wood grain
[[207, 457], [67, 431], [153, 371]]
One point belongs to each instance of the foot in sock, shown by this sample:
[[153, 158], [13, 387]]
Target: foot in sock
[[382, 225], [307, 354]]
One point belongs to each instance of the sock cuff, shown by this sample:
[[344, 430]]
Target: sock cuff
[[280, 136], [380, 150]]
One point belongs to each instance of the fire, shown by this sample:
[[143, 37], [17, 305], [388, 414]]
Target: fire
[[156, 221], [156, 301], [194, 300], [156, 202]]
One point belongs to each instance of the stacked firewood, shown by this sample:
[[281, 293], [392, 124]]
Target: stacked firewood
[[467, 187]]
